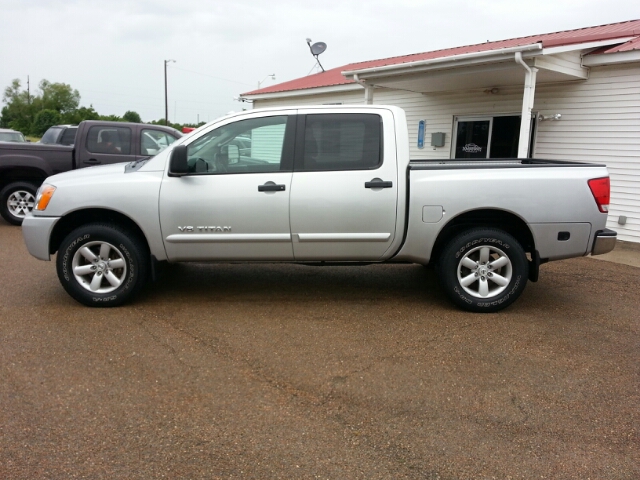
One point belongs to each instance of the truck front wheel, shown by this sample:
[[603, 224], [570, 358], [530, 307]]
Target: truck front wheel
[[483, 270], [16, 200], [102, 265]]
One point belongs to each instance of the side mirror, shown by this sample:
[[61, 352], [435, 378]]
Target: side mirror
[[232, 152], [178, 165]]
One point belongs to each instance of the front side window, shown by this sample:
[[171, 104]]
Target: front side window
[[344, 141], [154, 141], [247, 146], [109, 140]]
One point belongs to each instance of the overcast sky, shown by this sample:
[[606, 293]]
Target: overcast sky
[[113, 51]]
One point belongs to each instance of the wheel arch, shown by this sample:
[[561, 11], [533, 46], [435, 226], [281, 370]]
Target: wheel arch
[[485, 218], [22, 174], [73, 220]]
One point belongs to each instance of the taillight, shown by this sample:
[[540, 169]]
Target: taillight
[[601, 190]]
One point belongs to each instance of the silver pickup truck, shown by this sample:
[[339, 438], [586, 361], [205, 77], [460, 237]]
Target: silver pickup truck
[[320, 186]]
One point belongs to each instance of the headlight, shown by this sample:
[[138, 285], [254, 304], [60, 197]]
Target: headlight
[[43, 196]]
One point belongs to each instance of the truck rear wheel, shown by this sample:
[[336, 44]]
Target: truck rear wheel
[[16, 200], [483, 270], [102, 265]]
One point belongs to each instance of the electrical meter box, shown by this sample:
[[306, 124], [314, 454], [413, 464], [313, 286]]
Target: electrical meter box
[[437, 139]]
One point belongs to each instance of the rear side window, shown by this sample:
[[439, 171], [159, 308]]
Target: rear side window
[[69, 136], [344, 141], [110, 140], [51, 135]]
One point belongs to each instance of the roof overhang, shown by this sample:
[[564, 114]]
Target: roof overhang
[[454, 61], [304, 92], [478, 70], [611, 58]]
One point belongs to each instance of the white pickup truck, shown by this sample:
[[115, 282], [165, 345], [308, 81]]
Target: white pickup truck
[[320, 186]]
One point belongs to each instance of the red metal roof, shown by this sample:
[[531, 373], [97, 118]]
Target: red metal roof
[[334, 76]]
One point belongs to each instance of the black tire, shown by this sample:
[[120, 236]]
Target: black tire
[[483, 270], [102, 282], [16, 199]]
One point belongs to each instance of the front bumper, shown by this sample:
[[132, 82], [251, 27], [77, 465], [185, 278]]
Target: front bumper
[[604, 242], [36, 232]]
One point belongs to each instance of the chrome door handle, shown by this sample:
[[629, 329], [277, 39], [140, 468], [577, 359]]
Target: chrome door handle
[[378, 183], [271, 187]]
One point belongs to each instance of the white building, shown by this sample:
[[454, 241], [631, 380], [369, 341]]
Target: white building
[[572, 95]]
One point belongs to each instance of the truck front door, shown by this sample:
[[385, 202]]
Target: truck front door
[[104, 144], [345, 187], [234, 203]]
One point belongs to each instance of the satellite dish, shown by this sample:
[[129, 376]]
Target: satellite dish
[[318, 47]]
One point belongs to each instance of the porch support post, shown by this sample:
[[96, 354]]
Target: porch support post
[[527, 106], [368, 95], [368, 90]]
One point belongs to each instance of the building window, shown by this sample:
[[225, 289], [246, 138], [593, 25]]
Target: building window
[[486, 137]]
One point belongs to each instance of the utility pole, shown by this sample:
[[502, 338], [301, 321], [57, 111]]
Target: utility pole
[[166, 97]]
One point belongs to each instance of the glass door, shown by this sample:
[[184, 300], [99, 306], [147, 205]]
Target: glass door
[[487, 137], [472, 137]]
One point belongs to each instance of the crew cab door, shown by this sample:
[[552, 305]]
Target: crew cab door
[[233, 204], [344, 192], [104, 144]]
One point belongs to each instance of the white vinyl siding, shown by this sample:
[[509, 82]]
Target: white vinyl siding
[[266, 143], [600, 124]]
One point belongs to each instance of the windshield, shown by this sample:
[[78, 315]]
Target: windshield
[[11, 137]]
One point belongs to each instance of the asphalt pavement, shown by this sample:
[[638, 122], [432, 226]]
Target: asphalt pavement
[[285, 371]]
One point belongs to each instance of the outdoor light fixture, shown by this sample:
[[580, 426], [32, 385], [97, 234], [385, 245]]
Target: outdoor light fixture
[[554, 117], [272, 76], [166, 101]]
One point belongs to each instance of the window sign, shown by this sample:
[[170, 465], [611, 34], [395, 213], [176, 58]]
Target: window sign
[[421, 125], [472, 139]]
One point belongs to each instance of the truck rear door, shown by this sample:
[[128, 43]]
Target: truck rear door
[[344, 192]]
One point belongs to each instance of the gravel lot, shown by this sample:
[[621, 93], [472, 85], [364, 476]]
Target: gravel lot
[[285, 371]]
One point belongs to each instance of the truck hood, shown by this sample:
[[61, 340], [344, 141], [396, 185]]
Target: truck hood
[[86, 173]]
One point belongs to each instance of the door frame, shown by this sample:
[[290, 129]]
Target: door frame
[[489, 117]]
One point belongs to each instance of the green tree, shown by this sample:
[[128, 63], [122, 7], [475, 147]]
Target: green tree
[[59, 97], [111, 118], [80, 114], [177, 126], [18, 112], [45, 119], [130, 116]]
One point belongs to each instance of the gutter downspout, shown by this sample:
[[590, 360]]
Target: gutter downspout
[[368, 90], [527, 105]]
